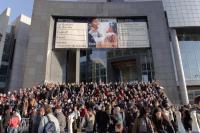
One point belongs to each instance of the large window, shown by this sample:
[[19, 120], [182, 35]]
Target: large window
[[191, 59], [189, 40], [3, 70], [188, 34], [104, 65]]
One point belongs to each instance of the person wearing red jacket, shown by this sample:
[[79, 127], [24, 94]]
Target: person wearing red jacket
[[13, 123]]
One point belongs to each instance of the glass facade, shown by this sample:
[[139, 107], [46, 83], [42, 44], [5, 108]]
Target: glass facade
[[182, 12], [193, 93], [7, 58], [105, 65], [191, 59]]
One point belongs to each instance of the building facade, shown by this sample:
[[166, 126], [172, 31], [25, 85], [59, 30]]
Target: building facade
[[20, 31], [184, 18], [4, 18], [46, 62], [155, 40], [13, 47]]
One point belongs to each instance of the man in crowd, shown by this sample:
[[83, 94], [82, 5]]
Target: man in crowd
[[61, 119], [102, 120]]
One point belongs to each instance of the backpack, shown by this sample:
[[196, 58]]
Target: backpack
[[144, 125], [50, 127]]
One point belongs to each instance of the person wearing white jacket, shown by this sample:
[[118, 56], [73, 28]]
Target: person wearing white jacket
[[195, 126], [70, 121], [181, 128]]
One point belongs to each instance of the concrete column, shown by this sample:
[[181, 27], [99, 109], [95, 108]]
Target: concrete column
[[77, 65], [179, 67], [71, 66]]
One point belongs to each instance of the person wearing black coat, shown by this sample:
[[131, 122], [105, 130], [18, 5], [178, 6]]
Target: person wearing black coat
[[161, 123], [1, 117], [187, 120], [102, 120]]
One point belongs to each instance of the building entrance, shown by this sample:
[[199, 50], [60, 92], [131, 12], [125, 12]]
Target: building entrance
[[125, 70], [116, 65]]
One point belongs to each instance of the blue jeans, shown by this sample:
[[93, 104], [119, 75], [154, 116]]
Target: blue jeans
[[12, 130]]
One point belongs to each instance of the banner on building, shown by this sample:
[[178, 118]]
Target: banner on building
[[132, 35], [102, 33]]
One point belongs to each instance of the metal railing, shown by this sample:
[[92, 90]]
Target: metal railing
[[24, 125]]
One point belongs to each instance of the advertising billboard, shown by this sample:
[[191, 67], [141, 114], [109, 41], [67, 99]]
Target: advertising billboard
[[71, 35], [102, 33]]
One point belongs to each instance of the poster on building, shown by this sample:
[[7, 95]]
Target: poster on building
[[102, 33], [132, 35], [71, 35]]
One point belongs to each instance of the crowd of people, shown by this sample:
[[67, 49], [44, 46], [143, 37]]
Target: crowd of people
[[136, 107]]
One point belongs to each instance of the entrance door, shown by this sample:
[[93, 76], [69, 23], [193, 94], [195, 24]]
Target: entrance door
[[125, 71]]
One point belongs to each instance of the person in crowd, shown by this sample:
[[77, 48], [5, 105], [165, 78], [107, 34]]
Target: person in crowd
[[181, 128], [187, 120], [61, 119], [76, 123], [169, 113], [71, 119], [83, 112], [13, 123], [195, 126], [131, 115], [1, 118], [49, 122], [143, 123], [40, 114], [102, 120], [161, 123], [119, 128], [7, 115], [90, 119], [118, 116], [33, 121]]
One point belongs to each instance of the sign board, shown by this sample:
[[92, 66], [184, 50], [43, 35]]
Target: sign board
[[102, 33], [132, 35], [71, 35]]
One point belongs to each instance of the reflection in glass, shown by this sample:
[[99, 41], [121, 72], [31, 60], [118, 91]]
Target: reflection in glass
[[105, 65], [191, 59]]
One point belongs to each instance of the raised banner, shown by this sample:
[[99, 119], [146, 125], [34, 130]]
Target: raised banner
[[71, 35]]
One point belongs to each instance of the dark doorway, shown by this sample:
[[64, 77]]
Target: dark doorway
[[125, 71]]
